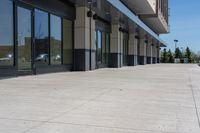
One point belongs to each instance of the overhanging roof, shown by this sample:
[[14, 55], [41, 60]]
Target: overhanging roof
[[141, 6], [122, 8]]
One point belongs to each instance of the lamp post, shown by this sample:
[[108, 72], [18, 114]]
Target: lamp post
[[182, 50], [175, 41], [182, 55]]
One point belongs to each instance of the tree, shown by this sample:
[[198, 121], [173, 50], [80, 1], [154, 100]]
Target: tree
[[170, 57], [178, 53], [164, 58], [188, 55]]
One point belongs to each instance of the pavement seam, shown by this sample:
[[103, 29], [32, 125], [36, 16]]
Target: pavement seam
[[76, 124], [110, 127], [195, 103], [88, 101]]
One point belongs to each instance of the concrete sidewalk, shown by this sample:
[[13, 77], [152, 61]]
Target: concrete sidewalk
[[143, 99]]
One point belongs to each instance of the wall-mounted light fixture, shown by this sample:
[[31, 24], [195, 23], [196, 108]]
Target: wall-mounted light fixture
[[120, 29], [89, 14], [89, 1], [137, 37], [95, 16], [123, 30]]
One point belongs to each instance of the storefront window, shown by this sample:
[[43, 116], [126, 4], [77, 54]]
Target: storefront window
[[99, 47], [107, 47], [125, 51], [103, 47], [55, 41], [6, 33], [67, 42], [41, 38], [24, 38]]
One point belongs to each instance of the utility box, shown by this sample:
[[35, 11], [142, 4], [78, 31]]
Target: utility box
[[177, 60]]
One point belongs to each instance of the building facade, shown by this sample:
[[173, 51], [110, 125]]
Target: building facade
[[42, 36]]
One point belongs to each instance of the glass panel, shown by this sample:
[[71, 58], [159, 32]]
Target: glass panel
[[125, 51], [67, 42], [55, 40], [99, 47], [103, 48], [24, 38], [41, 38], [6, 32], [107, 47]]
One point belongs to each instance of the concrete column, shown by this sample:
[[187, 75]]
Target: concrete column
[[149, 53], [132, 50], [142, 52], [84, 44], [116, 47]]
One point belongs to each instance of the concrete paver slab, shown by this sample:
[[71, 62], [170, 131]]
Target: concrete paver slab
[[162, 98]]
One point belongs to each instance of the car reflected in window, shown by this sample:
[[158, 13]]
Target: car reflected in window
[[42, 58], [7, 58], [56, 58]]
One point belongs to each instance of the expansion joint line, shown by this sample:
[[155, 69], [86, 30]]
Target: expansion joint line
[[195, 103]]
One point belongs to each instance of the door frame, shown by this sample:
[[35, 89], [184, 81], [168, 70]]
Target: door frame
[[106, 63]]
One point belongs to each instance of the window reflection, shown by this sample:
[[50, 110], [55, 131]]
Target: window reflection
[[103, 47], [6, 33], [55, 41], [99, 47], [107, 47], [41, 38], [24, 38], [125, 51]]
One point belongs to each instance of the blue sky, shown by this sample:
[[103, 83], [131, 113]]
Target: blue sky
[[184, 24]]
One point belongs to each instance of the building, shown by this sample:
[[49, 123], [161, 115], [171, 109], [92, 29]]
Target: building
[[41, 36]]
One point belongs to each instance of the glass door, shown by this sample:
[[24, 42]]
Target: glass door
[[24, 39], [125, 51], [99, 48], [103, 48], [107, 47]]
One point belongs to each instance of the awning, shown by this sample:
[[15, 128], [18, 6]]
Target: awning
[[122, 8]]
